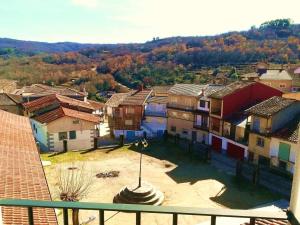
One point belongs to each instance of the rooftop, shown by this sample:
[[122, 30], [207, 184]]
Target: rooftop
[[290, 131], [187, 89], [276, 75], [55, 98], [116, 99], [231, 88], [22, 174], [137, 98], [161, 89], [210, 89], [158, 99], [270, 106], [96, 105], [15, 98], [42, 90], [62, 112]]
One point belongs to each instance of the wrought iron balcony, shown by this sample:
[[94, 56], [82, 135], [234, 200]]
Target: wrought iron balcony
[[137, 210]]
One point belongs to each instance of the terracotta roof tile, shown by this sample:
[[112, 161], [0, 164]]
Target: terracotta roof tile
[[231, 88], [61, 112], [270, 106], [116, 99], [187, 89], [137, 98], [96, 105], [158, 99], [22, 175], [54, 98]]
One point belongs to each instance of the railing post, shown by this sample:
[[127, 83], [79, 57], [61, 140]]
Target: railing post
[[101, 217], [30, 216], [252, 221], [66, 218], [213, 220], [138, 218], [175, 219]]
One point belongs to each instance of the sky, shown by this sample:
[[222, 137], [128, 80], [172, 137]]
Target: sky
[[127, 21]]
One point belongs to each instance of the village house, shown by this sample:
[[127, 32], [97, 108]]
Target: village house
[[279, 79], [273, 132], [54, 101], [11, 103], [128, 116], [293, 95], [64, 129], [228, 122], [155, 116], [36, 91], [160, 90], [296, 80], [22, 175]]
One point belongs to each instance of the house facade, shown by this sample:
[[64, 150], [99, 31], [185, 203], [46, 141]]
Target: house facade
[[127, 113], [65, 129], [11, 103], [228, 122], [279, 79], [271, 138]]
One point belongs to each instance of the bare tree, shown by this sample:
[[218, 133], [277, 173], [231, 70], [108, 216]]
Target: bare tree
[[74, 183]]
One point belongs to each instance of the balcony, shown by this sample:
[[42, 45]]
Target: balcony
[[201, 126], [155, 113], [180, 107], [137, 210]]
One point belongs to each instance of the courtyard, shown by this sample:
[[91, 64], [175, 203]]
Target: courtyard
[[184, 179]]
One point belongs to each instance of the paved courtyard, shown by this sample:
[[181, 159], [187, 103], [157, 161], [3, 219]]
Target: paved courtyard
[[185, 181]]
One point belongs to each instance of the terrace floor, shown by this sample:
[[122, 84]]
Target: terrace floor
[[185, 181]]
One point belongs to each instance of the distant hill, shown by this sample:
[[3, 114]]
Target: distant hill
[[157, 62]]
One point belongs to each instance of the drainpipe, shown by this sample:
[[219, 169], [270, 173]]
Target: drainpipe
[[295, 194]]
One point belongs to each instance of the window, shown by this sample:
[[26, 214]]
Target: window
[[185, 131], [284, 151], [62, 136], [130, 110], [205, 121], [202, 103], [72, 134], [75, 121], [260, 142], [173, 128], [128, 122], [282, 85]]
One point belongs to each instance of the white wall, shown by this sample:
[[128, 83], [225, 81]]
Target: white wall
[[84, 140], [40, 134]]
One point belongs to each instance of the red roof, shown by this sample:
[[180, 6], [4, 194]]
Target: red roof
[[62, 111], [22, 175], [52, 99], [96, 105]]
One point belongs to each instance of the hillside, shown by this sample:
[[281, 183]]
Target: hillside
[[160, 61]]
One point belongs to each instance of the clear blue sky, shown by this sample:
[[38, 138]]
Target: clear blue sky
[[116, 21]]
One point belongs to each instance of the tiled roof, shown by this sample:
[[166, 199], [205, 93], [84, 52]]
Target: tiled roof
[[270, 106], [158, 99], [161, 89], [231, 88], [96, 105], [43, 90], [276, 75], [61, 112], [15, 98], [52, 99], [22, 175], [8, 86], [290, 131], [210, 89], [137, 98], [187, 89], [116, 99]]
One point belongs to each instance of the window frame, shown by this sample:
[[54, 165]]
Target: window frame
[[64, 133], [71, 133]]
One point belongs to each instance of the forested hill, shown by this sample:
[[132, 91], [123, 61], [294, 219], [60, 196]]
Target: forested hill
[[160, 61]]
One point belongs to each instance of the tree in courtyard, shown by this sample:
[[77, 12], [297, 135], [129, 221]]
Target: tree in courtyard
[[74, 184]]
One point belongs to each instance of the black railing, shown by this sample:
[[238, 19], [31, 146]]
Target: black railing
[[174, 212]]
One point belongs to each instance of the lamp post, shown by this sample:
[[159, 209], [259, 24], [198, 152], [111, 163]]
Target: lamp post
[[142, 144]]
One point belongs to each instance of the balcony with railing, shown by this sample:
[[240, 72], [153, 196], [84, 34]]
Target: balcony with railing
[[137, 211], [179, 106]]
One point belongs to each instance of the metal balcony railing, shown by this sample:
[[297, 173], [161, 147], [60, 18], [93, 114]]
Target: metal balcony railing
[[174, 212]]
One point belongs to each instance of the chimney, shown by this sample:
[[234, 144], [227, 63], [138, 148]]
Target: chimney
[[141, 87]]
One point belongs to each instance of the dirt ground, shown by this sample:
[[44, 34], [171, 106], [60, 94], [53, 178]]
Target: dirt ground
[[184, 180]]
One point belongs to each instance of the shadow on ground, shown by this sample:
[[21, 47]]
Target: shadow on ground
[[188, 168]]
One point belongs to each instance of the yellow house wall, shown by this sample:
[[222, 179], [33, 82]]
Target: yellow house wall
[[257, 150], [276, 84], [264, 123]]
